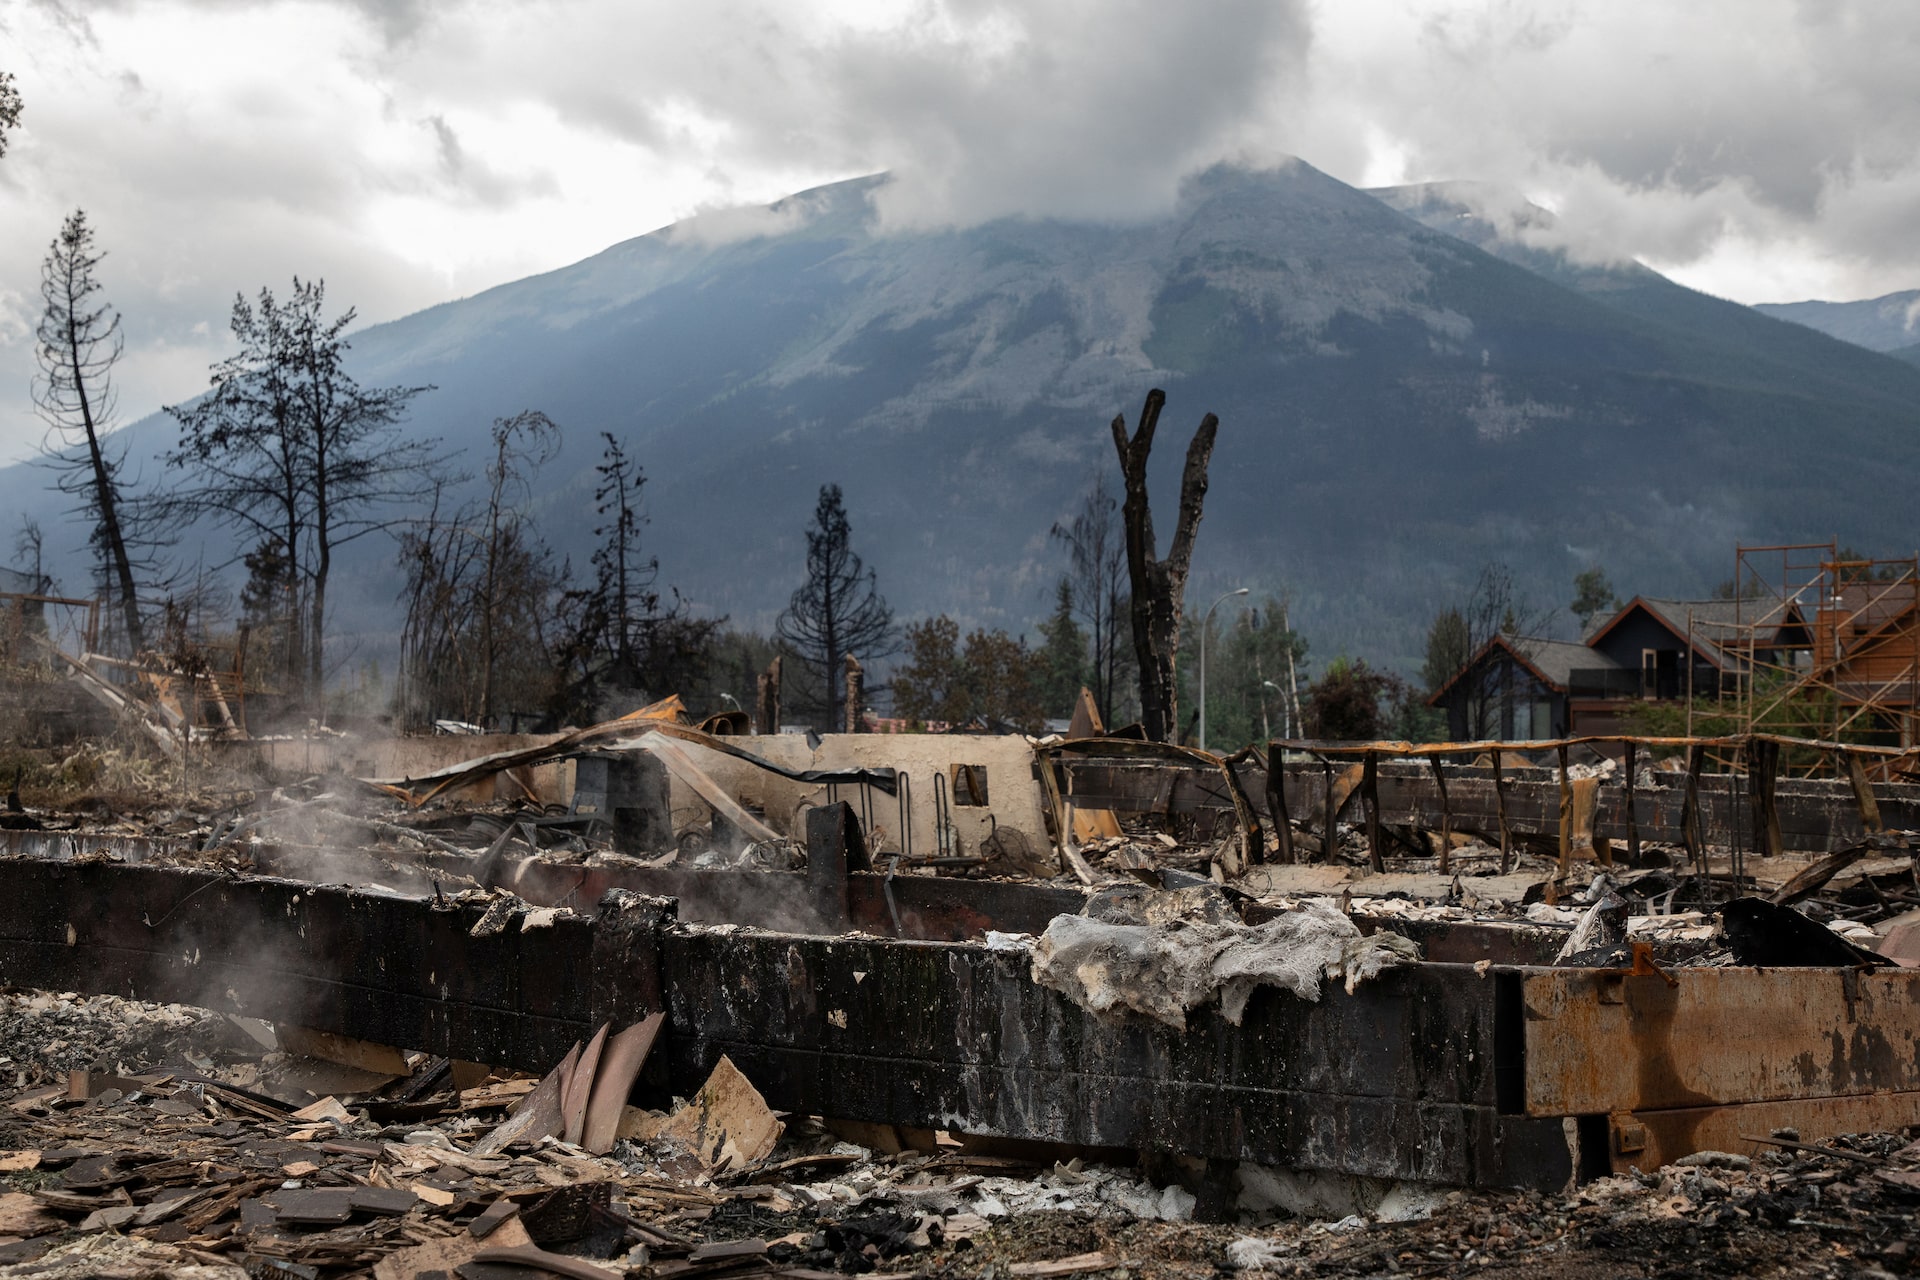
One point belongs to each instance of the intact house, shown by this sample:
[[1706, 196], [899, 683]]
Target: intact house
[[1520, 688], [1515, 689]]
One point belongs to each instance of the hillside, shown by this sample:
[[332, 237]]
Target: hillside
[[1880, 324], [1398, 405]]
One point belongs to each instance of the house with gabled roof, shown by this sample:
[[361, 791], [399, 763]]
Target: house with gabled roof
[[1518, 688], [1672, 647], [1515, 688]]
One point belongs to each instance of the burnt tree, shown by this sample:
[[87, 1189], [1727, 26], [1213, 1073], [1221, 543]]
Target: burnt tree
[[1159, 586], [78, 341]]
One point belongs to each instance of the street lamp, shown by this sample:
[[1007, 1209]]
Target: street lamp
[[1268, 684], [1205, 622]]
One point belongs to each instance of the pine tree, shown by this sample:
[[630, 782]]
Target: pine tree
[[1063, 655], [838, 610]]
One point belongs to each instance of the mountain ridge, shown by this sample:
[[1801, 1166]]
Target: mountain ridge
[[1887, 324], [1399, 404]]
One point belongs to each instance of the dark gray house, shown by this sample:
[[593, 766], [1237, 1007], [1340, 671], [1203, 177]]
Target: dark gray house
[[1515, 689]]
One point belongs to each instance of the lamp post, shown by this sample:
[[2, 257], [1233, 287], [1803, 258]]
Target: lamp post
[[1264, 720], [1206, 622]]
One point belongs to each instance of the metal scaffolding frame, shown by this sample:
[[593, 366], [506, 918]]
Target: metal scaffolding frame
[[1824, 647]]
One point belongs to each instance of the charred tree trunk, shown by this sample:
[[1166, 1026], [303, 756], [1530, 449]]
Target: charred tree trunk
[[1160, 586], [766, 710], [855, 721]]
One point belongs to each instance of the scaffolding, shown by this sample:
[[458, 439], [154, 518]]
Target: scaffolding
[[1823, 646]]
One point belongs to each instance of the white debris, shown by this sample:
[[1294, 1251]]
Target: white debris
[[1250, 1253], [1163, 970]]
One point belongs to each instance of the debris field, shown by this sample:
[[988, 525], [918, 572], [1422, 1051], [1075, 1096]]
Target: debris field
[[652, 999]]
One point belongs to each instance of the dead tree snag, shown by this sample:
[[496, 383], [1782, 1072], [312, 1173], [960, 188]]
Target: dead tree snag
[[1159, 586]]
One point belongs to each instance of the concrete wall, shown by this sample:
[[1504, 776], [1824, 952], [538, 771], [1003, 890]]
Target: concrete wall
[[1014, 796]]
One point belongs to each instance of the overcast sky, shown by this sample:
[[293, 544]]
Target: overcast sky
[[411, 151]]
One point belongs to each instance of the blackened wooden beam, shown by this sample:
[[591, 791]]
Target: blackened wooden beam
[[1277, 809], [1370, 796], [1633, 825]]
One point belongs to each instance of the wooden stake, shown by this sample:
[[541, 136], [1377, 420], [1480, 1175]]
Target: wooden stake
[[1633, 821], [1863, 794], [1277, 801], [1566, 816], [1690, 810], [1500, 809], [1370, 793]]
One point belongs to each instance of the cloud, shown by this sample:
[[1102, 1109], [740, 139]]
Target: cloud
[[1711, 135], [1081, 109], [412, 150]]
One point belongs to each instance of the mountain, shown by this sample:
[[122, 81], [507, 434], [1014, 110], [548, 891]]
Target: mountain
[[1879, 324], [1399, 404], [1719, 338]]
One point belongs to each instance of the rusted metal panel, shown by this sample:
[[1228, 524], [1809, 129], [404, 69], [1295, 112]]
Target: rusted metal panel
[[1649, 1139], [1600, 1042]]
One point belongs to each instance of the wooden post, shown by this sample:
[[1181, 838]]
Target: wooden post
[[1690, 809], [1633, 821], [1446, 817], [1863, 794], [1328, 841], [1763, 770], [1500, 810], [1277, 801], [1566, 816], [854, 718], [766, 703], [1370, 793]]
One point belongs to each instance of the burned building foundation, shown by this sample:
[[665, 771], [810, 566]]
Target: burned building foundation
[[1468, 1074]]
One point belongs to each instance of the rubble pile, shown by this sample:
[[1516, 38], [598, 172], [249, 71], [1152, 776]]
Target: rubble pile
[[170, 1173], [777, 904], [182, 1170]]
